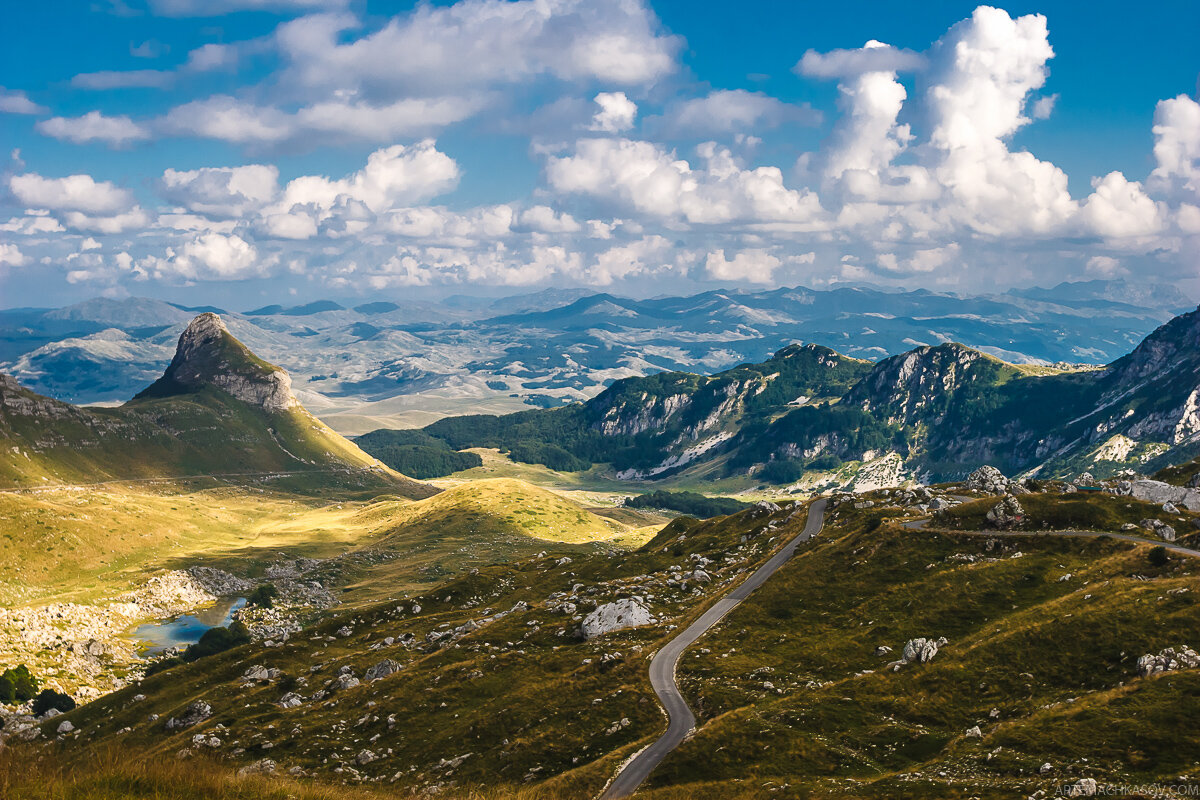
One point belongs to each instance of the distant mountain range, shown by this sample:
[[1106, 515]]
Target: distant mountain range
[[399, 364], [934, 412]]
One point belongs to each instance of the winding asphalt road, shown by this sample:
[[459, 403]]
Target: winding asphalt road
[[662, 666]]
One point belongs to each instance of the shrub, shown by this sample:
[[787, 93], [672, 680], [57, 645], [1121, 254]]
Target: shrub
[[49, 699], [781, 471], [263, 596], [1159, 556]]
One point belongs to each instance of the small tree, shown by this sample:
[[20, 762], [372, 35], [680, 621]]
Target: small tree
[[1159, 556], [263, 596], [17, 685]]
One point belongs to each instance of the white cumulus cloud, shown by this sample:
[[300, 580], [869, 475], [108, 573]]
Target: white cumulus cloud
[[94, 127], [617, 113]]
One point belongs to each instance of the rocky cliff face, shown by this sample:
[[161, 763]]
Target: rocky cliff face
[[916, 386], [209, 355]]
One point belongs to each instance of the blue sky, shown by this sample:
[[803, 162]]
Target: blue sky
[[296, 148]]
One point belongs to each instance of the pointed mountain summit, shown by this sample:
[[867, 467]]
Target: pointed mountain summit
[[209, 355]]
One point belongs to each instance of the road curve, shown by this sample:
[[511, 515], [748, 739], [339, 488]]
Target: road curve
[[662, 666]]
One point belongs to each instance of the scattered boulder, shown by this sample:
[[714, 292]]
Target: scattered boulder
[[1159, 528], [918, 651], [989, 479], [1194, 483], [381, 670], [1084, 787], [365, 757], [1169, 508], [195, 713], [259, 674], [974, 733], [1085, 479], [1168, 660], [65, 726], [291, 700], [263, 766], [346, 680], [344, 631], [626, 613], [1006, 515]]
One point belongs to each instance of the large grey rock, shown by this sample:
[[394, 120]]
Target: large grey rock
[[208, 354], [381, 670], [1006, 514], [1194, 483], [626, 613], [989, 479], [1084, 787], [921, 650], [1160, 528], [1159, 493]]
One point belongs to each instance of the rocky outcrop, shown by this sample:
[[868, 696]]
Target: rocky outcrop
[[990, 480], [1159, 528], [625, 613], [1159, 493], [209, 355], [1005, 515], [918, 651], [1168, 660], [381, 670]]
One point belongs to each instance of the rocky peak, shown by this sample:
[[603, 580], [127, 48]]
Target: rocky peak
[[209, 355], [1171, 346], [903, 385]]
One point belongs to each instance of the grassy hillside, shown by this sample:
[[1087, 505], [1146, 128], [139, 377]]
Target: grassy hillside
[[805, 700], [789, 690]]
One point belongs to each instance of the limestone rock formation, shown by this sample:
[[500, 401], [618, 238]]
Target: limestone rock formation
[[381, 670], [1006, 514], [1161, 493], [208, 355], [989, 479], [1168, 660], [1160, 528]]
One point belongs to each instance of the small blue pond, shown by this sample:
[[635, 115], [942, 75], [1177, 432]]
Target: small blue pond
[[186, 629]]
